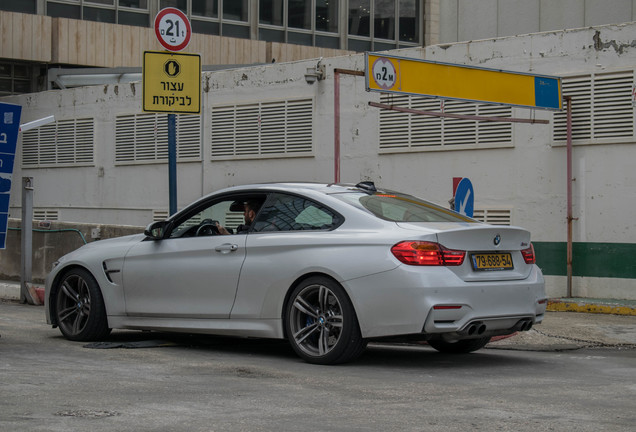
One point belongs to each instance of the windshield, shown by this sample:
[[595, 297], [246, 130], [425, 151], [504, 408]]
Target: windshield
[[398, 207]]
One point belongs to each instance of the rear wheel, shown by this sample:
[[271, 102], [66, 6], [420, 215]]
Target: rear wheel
[[79, 307], [460, 347], [321, 323]]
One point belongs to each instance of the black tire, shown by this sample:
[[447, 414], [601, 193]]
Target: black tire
[[321, 323], [79, 307], [460, 347]]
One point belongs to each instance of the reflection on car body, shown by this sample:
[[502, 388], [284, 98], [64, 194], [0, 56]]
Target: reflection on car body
[[328, 267]]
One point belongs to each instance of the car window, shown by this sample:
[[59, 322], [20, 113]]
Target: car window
[[228, 212], [402, 208], [294, 213]]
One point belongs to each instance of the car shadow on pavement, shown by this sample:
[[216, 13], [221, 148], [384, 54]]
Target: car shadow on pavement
[[406, 355], [376, 354]]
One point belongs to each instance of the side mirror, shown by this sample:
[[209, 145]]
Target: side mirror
[[156, 230]]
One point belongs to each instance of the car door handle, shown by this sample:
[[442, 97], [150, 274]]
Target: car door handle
[[226, 248]]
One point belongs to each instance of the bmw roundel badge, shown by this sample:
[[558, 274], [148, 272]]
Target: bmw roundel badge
[[497, 240]]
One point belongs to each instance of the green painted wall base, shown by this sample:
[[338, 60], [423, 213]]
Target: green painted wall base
[[610, 260]]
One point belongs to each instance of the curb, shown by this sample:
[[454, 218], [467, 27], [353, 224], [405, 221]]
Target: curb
[[586, 306], [11, 291]]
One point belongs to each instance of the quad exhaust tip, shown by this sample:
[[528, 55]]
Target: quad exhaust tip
[[477, 328]]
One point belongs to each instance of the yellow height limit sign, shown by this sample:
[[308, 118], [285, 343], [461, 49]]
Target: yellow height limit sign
[[390, 74], [172, 82]]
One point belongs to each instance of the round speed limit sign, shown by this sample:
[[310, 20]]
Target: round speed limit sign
[[173, 29]]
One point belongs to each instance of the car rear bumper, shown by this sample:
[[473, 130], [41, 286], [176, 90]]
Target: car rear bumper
[[434, 302]]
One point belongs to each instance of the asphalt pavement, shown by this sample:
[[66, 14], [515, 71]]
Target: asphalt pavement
[[575, 371]]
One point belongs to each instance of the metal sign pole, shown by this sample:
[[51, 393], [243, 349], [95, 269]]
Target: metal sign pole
[[172, 162], [569, 256], [27, 240]]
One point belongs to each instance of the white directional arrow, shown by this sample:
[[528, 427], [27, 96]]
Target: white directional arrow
[[462, 205]]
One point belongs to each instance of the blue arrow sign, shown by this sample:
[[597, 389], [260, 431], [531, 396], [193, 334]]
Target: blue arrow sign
[[465, 198], [9, 128]]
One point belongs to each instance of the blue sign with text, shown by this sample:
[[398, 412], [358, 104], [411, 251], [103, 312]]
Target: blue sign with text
[[465, 198], [9, 128]]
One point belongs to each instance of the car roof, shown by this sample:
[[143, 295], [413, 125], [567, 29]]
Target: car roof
[[306, 188], [326, 188]]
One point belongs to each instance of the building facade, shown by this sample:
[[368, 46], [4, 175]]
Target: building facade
[[42, 35], [105, 161]]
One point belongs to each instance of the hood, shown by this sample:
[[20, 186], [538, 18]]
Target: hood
[[102, 247]]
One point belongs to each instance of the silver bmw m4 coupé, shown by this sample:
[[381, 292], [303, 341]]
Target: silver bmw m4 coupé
[[329, 267]]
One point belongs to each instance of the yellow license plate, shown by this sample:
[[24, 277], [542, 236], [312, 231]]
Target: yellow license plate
[[492, 261]]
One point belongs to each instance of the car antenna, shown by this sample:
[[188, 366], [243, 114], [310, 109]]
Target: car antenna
[[367, 186]]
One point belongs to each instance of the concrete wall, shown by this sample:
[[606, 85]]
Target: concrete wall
[[465, 20], [526, 176], [50, 242]]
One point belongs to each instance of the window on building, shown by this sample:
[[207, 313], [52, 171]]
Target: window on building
[[205, 8], [15, 78], [360, 17], [271, 12], [327, 16], [409, 20], [382, 24], [63, 10], [22, 6], [384, 19], [226, 18], [182, 5], [127, 12], [299, 14], [236, 10], [303, 22], [100, 15], [138, 4]]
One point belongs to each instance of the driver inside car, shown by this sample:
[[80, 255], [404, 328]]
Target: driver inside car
[[250, 209]]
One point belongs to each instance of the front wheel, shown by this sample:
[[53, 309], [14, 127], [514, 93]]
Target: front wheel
[[321, 323], [459, 347], [79, 307]]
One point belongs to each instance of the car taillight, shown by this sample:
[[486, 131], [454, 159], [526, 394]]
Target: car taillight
[[528, 255], [422, 253]]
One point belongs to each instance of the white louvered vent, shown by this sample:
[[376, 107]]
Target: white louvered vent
[[493, 216], [602, 109], [401, 131], [63, 143], [143, 138], [276, 128], [43, 214], [160, 215]]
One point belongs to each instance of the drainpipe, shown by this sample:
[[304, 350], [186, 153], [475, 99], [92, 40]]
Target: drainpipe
[[336, 126], [336, 120], [568, 100]]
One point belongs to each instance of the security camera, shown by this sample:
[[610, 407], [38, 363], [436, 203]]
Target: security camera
[[317, 73], [311, 75]]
